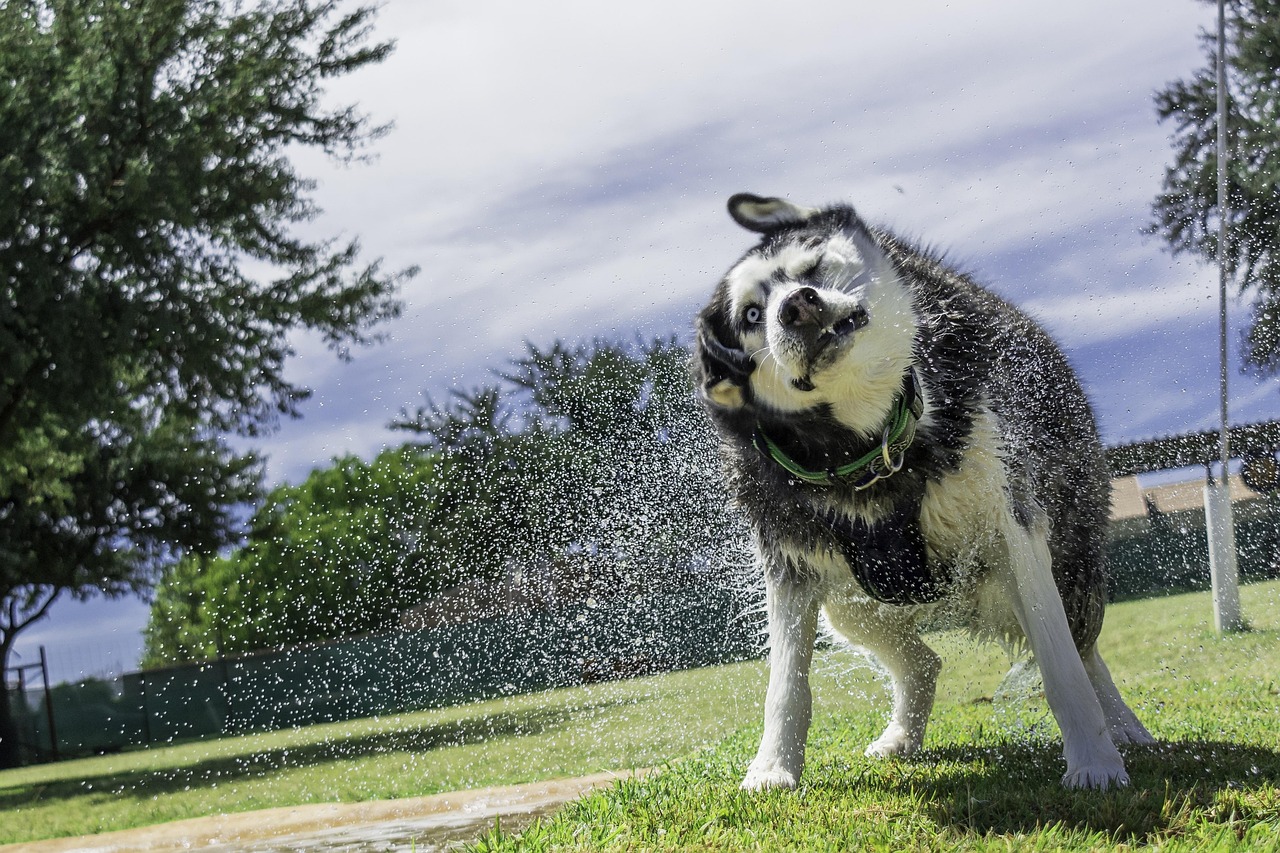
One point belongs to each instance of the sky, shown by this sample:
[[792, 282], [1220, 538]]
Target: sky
[[560, 170]]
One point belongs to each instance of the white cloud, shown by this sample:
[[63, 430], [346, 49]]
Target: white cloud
[[564, 175], [1080, 319]]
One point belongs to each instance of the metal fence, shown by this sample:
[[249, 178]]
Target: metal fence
[[1168, 552], [1156, 554], [387, 673]]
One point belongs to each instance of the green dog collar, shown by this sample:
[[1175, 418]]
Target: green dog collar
[[881, 462]]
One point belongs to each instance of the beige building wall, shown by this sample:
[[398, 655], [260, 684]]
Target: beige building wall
[[1127, 496]]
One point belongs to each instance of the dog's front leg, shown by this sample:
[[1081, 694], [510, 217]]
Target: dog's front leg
[[793, 620], [1092, 758]]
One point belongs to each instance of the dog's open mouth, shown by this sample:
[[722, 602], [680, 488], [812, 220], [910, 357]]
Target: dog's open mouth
[[824, 348], [852, 323], [840, 329]]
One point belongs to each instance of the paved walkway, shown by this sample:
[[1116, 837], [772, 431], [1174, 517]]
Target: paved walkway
[[426, 822]]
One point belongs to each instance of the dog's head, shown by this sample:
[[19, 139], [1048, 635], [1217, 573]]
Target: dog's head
[[815, 315]]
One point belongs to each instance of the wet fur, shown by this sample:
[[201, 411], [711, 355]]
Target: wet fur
[[1006, 475]]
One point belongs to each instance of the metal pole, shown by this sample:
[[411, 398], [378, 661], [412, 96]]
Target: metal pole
[[1223, 154], [1219, 523], [48, 703]]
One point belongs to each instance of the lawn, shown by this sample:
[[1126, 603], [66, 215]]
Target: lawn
[[558, 733], [987, 779]]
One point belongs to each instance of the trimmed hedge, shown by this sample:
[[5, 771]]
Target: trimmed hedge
[[1167, 553]]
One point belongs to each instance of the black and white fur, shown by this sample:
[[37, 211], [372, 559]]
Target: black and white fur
[[808, 338]]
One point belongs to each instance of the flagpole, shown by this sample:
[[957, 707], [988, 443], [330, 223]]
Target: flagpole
[[1219, 523]]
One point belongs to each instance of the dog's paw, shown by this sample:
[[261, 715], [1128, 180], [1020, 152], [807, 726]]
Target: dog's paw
[[766, 775], [895, 740], [1099, 776]]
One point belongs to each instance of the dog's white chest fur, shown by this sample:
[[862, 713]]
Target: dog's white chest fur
[[962, 517]]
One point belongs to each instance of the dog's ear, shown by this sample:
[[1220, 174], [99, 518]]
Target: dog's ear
[[725, 369], [766, 214]]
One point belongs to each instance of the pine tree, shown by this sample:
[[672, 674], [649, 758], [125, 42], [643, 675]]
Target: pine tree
[[1186, 211]]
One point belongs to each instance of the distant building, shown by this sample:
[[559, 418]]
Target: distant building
[[1130, 500]]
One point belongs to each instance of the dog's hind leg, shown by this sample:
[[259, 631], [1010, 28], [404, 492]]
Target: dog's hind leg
[[1124, 725], [793, 620], [1092, 758], [912, 665]]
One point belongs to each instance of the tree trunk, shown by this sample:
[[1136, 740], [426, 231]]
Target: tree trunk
[[10, 754]]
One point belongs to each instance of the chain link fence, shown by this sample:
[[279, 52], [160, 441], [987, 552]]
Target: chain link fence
[[387, 673]]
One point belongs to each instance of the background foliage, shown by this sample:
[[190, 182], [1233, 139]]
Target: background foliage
[[1186, 211], [593, 465], [150, 279]]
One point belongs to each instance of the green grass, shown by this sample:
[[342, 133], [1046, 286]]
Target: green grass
[[559, 733], [988, 778]]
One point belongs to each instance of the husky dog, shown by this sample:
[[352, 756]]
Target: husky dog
[[907, 447]]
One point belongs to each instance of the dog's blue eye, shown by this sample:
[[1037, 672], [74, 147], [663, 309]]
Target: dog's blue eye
[[753, 315]]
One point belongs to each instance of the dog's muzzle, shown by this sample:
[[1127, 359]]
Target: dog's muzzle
[[814, 323]]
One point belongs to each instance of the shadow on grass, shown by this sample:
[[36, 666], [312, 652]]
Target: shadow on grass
[[1015, 788], [224, 770]]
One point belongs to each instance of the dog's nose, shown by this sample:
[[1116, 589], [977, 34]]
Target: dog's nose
[[801, 307]]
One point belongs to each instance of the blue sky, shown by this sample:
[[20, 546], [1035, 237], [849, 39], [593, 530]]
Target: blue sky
[[560, 171]]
